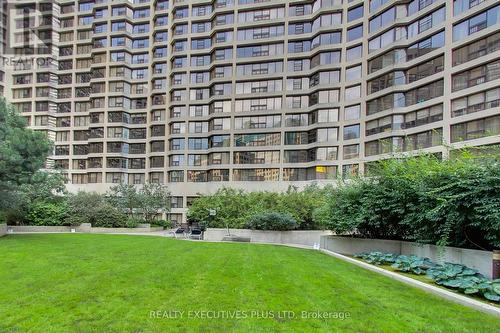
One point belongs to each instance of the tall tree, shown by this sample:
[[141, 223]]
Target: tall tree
[[148, 200], [125, 197], [22, 153], [153, 199], [22, 150]]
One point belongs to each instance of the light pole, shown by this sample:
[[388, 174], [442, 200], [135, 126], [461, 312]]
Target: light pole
[[211, 215]]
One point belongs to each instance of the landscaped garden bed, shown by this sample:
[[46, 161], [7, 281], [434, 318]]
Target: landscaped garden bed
[[119, 283], [453, 276]]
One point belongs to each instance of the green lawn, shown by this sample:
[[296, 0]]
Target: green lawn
[[110, 283]]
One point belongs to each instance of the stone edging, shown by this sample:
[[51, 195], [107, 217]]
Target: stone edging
[[457, 298]]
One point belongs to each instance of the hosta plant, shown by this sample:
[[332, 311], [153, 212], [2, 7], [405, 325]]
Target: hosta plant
[[467, 280], [412, 264], [377, 258]]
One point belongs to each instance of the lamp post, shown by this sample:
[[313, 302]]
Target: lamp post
[[211, 215]]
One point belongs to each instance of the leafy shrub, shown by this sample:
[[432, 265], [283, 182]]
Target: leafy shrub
[[272, 221], [233, 208], [43, 188], [453, 202], [412, 264], [47, 213], [467, 280], [133, 222], [107, 216], [167, 224], [377, 258], [88, 207], [456, 276], [147, 200]]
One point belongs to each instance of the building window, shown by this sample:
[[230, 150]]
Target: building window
[[354, 13], [351, 132], [475, 129]]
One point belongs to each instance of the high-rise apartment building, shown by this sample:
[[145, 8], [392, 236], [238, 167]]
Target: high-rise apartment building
[[251, 93], [3, 40]]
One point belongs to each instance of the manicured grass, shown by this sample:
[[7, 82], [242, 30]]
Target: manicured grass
[[111, 283]]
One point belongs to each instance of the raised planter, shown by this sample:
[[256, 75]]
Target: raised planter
[[236, 239], [3, 229], [298, 237], [124, 230], [83, 228], [36, 228], [480, 260]]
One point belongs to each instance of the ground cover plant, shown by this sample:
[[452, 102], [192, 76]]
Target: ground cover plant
[[462, 278], [113, 283]]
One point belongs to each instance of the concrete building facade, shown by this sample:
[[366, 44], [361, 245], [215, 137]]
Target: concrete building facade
[[252, 94]]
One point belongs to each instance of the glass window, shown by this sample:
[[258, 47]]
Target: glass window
[[374, 4], [352, 112], [351, 132], [460, 31], [351, 151], [354, 53], [352, 93], [476, 23], [354, 13], [354, 33], [353, 73]]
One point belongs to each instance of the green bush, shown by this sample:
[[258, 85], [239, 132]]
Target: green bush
[[167, 224], [107, 216], [453, 202], [47, 213], [272, 221], [233, 208], [147, 200], [88, 207], [132, 222]]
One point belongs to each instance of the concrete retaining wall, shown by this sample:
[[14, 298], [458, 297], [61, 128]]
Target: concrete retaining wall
[[3, 229], [123, 230], [84, 228], [480, 260], [300, 237], [35, 228]]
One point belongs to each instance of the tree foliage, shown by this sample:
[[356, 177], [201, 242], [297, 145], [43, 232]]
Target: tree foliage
[[234, 207], [22, 150], [22, 153], [18, 202], [124, 196], [148, 200], [48, 213], [94, 208], [271, 221], [423, 198]]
